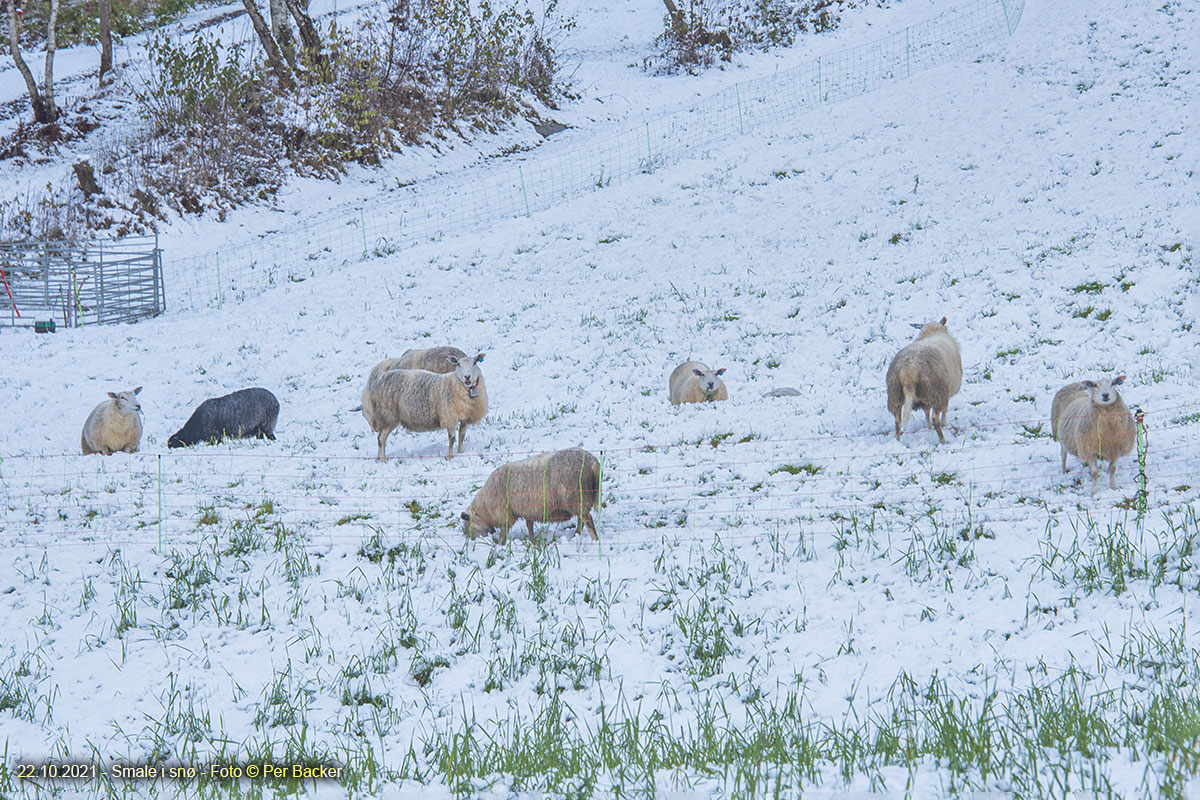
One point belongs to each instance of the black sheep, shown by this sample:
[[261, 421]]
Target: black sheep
[[239, 415]]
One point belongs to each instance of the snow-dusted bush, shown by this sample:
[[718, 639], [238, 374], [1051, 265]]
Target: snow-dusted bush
[[696, 33]]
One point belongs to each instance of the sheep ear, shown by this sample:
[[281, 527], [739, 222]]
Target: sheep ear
[[453, 360], [113, 395], [943, 320], [1117, 381], [721, 371], [479, 357], [697, 372], [138, 390]]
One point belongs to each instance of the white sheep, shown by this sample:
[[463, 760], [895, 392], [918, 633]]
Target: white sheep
[[114, 425], [420, 400], [1089, 420], [694, 382], [551, 487], [925, 375]]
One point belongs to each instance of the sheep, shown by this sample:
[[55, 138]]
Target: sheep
[[421, 400], [435, 359], [1090, 420], [115, 424], [694, 382], [925, 375], [551, 487], [238, 415]]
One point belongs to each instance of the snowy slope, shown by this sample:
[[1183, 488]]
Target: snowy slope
[[1042, 198]]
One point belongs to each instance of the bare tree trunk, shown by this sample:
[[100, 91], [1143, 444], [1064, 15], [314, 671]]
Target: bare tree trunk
[[308, 31], [51, 45], [281, 29], [35, 97], [268, 42], [105, 39]]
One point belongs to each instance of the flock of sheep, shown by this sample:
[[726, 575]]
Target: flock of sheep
[[441, 388]]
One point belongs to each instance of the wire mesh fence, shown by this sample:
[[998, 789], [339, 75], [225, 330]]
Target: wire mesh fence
[[736, 489], [539, 182], [80, 284]]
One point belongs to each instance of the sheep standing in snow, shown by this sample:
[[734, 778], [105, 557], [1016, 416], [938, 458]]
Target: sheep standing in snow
[[1090, 421], [238, 415], [115, 424], [551, 487], [420, 400], [694, 382], [925, 375], [435, 359]]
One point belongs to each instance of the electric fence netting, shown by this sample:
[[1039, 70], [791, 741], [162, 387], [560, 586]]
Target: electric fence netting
[[468, 201], [800, 489]]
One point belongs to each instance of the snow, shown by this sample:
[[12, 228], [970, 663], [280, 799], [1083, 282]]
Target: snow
[[987, 191]]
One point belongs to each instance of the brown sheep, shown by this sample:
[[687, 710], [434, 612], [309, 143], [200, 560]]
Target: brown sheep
[[551, 487], [1090, 420], [925, 375]]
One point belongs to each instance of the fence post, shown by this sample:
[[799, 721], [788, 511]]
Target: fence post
[[524, 191], [1142, 443], [649, 152], [820, 90], [100, 285], [907, 53], [160, 290], [160, 519], [738, 93]]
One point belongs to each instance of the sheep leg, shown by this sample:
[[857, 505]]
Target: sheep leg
[[1112, 473], [927, 422], [897, 427], [937, 426], [591, 525], [1064, 457], [1094, 468], [450, 446], [529, 526], [383, 437], [462, 434]]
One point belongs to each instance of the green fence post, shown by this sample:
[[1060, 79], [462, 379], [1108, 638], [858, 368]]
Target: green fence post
[[160, 520], [524, 191], [649, 152], [1142, 443], [737, 92]]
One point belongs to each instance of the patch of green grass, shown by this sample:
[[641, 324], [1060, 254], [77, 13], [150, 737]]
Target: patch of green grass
[[346, 520], [208, 516], [1083, 313], [943, 478], [796, 469], [1092, 287], [1104, 315]]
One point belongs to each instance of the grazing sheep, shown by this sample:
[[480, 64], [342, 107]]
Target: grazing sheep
[[238, 415], [421, 400], [925, 375], [115, 424], [1090, 421], [694, 382], [433, 359], [551, 487]]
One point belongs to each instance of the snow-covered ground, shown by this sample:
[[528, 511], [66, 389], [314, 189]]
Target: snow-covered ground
[[765, 556]]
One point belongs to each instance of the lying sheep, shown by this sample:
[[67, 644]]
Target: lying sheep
[[925, 375], [421, 400], [238, 415], [551, 487], [694, 382], [114, 425], [1090, 421]]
